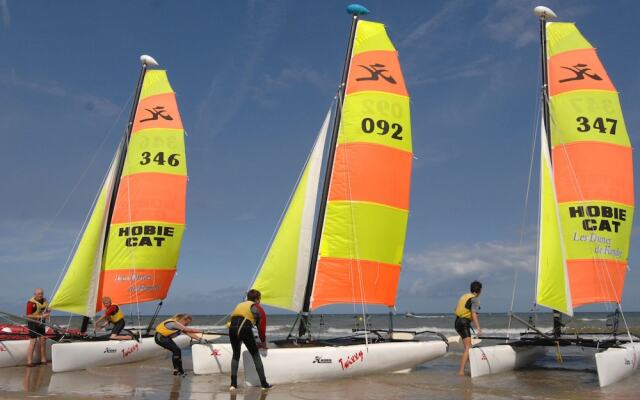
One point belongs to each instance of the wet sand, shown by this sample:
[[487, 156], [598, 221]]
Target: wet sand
[[436, 380]]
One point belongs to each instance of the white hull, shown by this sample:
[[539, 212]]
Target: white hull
[[81, 355], [302, 364], [616, 364], [212, 358], [14, 352], [502, 358], [612, 364]]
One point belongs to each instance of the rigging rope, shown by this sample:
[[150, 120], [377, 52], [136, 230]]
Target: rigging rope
[[534, 136]]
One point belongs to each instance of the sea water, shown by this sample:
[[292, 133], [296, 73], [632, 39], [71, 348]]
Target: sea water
[[574, 378]]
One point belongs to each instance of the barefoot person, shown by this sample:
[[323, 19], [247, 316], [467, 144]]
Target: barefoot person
[[115, 316], [244, 317], [466, 312], [171, 328], [37, 313]]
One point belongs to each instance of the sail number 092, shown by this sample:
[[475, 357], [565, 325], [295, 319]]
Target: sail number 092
[[160, 159], [382, 127]]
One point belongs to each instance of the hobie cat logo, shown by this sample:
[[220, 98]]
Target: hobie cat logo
[[215, 353], [581, 71], [320, 360], [376, 70], [157, 112], [109, 350]]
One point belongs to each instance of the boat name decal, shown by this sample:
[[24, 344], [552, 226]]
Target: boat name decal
[[215, 353], [129, 350], [145, 235], [109, 350], [320, 360], [352, 359]]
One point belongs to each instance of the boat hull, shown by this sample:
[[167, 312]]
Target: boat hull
[[81, 355], [14, 352], [617, 363], [303, 364], [212, 358], [489, 360]]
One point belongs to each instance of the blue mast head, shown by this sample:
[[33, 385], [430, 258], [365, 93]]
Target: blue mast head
[[357, 9]]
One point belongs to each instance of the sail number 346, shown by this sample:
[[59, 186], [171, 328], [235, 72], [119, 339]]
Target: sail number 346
[[382, 127], [159, 158]]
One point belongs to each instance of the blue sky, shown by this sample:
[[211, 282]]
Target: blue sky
[[254, 80]]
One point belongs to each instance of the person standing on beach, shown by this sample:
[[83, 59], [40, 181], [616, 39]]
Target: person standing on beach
[[37, 313], [467, 311], [115, 316], [244, 317], [171, 328]]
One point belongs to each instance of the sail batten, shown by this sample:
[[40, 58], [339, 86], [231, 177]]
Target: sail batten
[[365, 220], [592, 170]]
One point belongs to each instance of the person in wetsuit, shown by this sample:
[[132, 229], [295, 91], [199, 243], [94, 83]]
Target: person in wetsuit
[[244, 317], [467, 311], [37, 313], [167, 330], [115, 316]]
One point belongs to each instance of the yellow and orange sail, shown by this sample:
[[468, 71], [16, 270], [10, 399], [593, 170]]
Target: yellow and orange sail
[[366, 215], [137, 260], [591, 200]]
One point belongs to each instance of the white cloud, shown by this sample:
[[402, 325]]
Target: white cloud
[[473, 261], [469, 70], [32, 241], [432, 24], [290, 76], [217, 108], [4, 13], [513, 21], [88, 102]]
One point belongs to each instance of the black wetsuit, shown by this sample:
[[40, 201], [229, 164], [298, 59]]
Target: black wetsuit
[[168, 343], [239, 333]]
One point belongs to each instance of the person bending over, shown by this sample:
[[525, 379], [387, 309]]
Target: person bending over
[[167, 330], [244, 317]]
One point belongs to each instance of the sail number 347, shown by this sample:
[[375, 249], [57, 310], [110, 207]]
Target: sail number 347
[[382, 127], [600, 124]]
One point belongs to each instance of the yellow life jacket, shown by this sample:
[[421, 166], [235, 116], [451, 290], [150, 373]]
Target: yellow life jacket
[[40, 307], [462, 311], [116, 317], [162, 329], [244, 310]]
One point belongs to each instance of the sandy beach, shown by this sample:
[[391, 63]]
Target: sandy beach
[[547, 379]]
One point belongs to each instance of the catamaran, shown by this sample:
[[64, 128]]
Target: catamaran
[[341, 240], [130, 246], [586, 209]]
